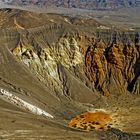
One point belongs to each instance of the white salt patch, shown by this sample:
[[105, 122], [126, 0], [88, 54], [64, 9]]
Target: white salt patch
[[23, 104]]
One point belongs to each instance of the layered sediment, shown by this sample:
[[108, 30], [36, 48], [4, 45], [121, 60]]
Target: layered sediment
[[108, 65], [102, 59]]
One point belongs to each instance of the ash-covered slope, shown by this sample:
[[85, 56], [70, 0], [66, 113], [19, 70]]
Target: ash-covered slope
[[64, 65]]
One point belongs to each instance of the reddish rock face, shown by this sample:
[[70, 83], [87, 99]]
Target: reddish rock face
[[112, 67]]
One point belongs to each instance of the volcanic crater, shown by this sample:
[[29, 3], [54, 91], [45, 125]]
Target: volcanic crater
[[85, 77]]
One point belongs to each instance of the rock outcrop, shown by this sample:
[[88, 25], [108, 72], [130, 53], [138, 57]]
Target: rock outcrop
[[110, 68]]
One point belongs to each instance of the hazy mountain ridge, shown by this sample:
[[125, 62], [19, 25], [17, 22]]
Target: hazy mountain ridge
[[84, 4]]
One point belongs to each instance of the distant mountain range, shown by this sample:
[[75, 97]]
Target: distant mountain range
[[84, 4]]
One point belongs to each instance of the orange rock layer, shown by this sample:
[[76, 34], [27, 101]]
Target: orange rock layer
[[92, 121]]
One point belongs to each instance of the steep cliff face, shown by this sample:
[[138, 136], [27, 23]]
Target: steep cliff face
[[112, 67], [107, 67], [45, 61]]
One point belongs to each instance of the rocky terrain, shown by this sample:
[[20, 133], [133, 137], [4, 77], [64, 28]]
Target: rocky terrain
[[84, 4], [64, 66]]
